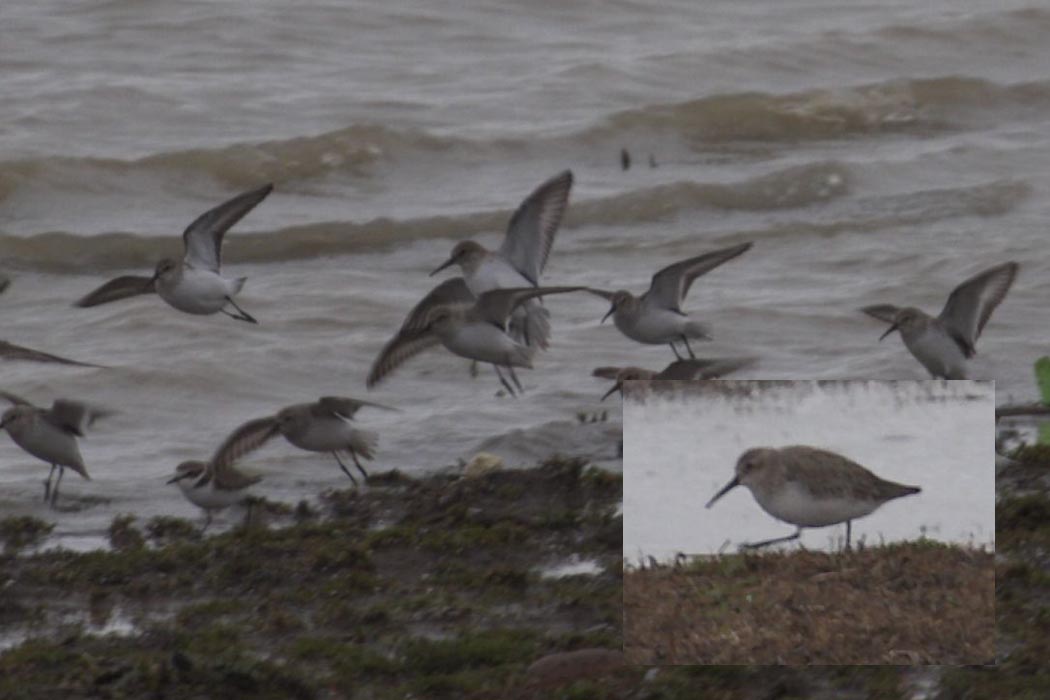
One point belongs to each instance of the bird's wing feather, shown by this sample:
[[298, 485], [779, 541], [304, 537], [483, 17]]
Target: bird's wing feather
[[671, 284], [246, 438], [203, 238], [74, 416], [403, 346], [14, 399], [117, 289], [606, 372], [496, 305], [452, 291], [344, 406], [531, 231], [883, 312], [10, 351], [971, 304]]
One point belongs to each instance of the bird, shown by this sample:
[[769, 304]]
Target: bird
[[10, 351], [194, 284], [810, 487], [944, 344], [679, 370], [520, 260], [322, 426], [656, 317], [50, 434], [474, 329], [217, 483]]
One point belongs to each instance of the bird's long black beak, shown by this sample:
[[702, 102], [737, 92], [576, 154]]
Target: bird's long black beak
[[892, 328], [178, 477], [616, 387], [735, 482], [612, 310], [442, 266]]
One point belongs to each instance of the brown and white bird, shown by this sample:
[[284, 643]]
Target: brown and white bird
[[520, 260], [194, 284], [216, 484], [472, 328], [50, 434], [944, 344], [656, 317], [679, 370], [325, 425], [810, 487]]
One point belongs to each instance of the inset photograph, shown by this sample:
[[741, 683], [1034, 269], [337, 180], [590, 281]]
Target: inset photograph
[[809, 522]]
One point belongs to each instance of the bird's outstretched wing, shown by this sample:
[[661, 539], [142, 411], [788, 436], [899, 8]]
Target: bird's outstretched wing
[[530, 233], [671, 284], [203, 238]]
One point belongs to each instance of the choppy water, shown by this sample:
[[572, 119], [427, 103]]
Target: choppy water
[[874, 153]]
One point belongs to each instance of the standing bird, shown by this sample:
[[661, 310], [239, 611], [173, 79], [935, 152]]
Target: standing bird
[[195, 284], [656, 317], [472, 329], [215, 484], [519, 262], [322, 426], [943, 344], [810, 487], [50, 434], [679, 370]]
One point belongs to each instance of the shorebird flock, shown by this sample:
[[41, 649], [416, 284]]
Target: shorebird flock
[[492, 314]]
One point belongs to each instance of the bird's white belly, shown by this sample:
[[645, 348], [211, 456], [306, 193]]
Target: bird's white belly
[[483, 342], [652, 325], [938, 353], [208, 497], [198, 291], [794, 504], [324, 435], [51, 445]]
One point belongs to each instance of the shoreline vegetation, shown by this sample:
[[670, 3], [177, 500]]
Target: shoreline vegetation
[[434, 587], [429, 588]]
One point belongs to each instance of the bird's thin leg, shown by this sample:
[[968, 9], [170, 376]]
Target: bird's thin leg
[[504, 382], [207, 520], [358, 464], [849, 528], [676, 355], [756, 545], [54, 490], [473, 369], [244, 315], [47, 484], [343, 467], [686, 341], [514, 378]]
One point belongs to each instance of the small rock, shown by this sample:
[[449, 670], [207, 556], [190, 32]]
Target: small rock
[[482, 464]]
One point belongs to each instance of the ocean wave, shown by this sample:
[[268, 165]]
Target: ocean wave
[[790, 190], [921, 106]]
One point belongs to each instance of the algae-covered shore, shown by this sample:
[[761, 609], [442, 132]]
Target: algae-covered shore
[[425, 588], [434, 587]]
